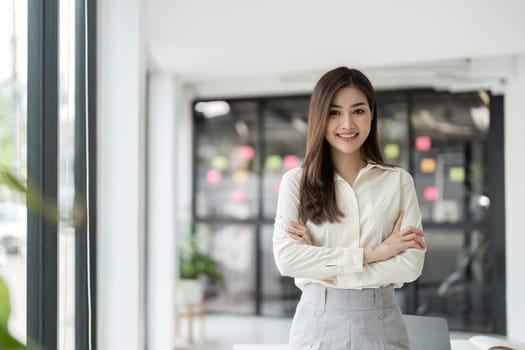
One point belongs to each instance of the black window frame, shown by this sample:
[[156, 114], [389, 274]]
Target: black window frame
[[42, 160]]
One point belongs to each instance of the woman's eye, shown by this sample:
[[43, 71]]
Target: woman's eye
[[359, 111], [333, 113]]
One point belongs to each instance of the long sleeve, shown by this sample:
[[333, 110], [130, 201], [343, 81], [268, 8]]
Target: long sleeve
[[404, 267], [304, 261]]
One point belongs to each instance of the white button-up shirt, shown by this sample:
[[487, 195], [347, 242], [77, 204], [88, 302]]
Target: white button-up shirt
[[371, 207]]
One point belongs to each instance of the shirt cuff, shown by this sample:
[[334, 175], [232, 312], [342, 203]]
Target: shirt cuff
[[350, 261]]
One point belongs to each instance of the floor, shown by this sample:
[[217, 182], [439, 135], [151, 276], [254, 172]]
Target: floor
[[223, 331]]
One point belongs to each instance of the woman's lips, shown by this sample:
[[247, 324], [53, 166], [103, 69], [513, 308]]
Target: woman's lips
[[347, 136]]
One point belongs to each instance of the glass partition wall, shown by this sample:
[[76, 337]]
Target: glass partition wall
[[243, 146]]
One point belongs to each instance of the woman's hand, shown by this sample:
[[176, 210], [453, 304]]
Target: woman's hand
[[299, 232], [397, 242]]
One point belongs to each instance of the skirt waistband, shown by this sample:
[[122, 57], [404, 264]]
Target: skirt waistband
[[348, 299]]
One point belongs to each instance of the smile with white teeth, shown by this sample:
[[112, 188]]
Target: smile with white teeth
[[349, 136]]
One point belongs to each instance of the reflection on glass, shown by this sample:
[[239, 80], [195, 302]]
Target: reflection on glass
[[458, 116], [285, 126], [450, 133], [13, 147], [227, 160], [456, 279], [392, 111], [232, 248], [279, 293]]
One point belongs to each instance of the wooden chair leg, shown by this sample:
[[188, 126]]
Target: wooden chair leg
[[202, 313], [177, 325], [190, 324]]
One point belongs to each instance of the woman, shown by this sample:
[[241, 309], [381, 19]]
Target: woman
[[348, 226]]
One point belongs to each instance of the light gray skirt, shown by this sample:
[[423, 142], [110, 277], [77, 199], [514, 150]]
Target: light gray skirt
[[336, 319]]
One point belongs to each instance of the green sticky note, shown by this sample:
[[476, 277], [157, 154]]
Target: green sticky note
[[219, 163], [391, 151], [274, 162], [456, 174]]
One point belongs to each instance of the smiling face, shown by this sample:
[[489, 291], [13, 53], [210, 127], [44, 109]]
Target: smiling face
[[348, 122]]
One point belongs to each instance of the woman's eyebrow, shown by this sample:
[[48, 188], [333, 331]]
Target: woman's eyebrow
[[352, 106]]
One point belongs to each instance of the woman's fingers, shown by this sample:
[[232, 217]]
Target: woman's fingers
[[298, 228], [414, 241], [296, 231], [411, 237], [297, 225], [412, 229], [296, 237], [302, 239], [299, 232], [293, 225], [421, 243]]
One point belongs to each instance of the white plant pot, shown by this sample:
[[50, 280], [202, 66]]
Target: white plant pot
[[190, 291]]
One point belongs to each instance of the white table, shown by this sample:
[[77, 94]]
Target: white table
[[456, 345]]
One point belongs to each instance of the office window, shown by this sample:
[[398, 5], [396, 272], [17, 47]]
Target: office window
[[66, 176], [392, 109], [233, 248], [13, 146], [227, 159], [284, 134], [450, 167], [59, 272]]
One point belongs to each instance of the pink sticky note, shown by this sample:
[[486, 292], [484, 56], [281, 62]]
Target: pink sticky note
[[423, 143], [290, 161], [246, 152], [237, 196], [213, 176], [430, 193]]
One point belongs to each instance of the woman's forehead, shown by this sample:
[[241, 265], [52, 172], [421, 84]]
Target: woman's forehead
[[348, 96]]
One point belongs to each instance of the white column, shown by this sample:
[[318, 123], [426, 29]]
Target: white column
[[515, 200], [120, 176], [184, 155], [161, 230]]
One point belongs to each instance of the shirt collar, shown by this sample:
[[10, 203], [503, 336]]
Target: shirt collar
[[365, 169], [375, 165]]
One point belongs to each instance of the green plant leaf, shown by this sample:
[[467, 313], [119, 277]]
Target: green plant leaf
[[5, 306], [7, 341], [35, 200], [193, 262]]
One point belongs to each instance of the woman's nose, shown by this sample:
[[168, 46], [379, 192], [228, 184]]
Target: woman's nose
[[347, 120]]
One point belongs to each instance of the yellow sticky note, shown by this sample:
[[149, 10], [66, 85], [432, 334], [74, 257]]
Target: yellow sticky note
[[427, 165]]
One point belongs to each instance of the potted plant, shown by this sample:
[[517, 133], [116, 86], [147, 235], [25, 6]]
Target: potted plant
[[194, 267]]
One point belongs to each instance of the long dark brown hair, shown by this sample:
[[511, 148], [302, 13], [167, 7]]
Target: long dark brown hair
[[318, 200]]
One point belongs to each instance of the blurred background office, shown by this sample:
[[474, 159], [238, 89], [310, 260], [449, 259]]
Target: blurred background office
[[152, 123]]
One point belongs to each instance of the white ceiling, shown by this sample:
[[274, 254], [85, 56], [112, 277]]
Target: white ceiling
[[266, 43]]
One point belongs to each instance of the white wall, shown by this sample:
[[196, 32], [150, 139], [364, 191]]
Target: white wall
[[184, 157], [161, 212], [515, 199], [120, 176], [273, 38]]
